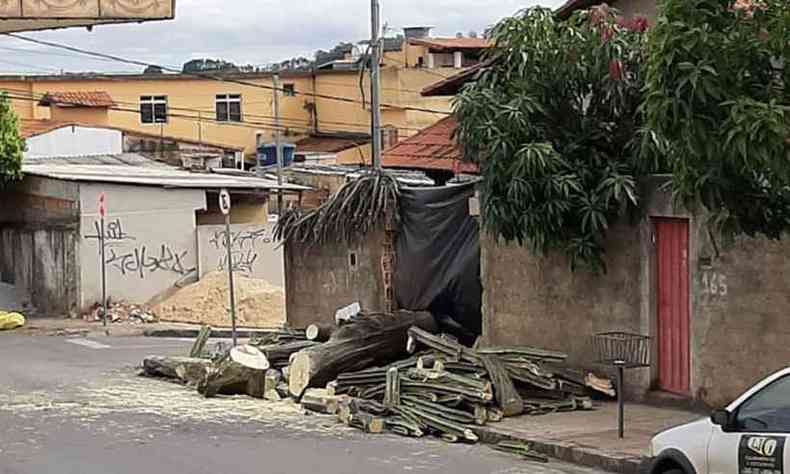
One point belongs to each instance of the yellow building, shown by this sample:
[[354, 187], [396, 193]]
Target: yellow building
[[238, 110]]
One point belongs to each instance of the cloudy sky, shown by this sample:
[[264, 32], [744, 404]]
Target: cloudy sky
[[249, 31]]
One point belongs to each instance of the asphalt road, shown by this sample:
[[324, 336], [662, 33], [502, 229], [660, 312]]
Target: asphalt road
[[78, 406]]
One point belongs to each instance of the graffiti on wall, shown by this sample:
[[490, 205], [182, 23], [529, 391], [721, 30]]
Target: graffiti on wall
[[114, 234], [139, 261], [123, 253], [243, 248]]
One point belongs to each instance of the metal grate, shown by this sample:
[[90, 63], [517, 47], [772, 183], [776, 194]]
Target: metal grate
[[622, 349]]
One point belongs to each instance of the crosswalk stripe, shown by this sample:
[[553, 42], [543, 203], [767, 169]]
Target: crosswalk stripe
[[88, 343]]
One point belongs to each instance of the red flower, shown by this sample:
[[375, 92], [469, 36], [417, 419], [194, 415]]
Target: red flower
[[616, 70], [607, 33], [639, 24]]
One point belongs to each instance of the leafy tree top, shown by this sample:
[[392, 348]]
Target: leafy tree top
[[552, 123], [12, 146], [718, 108]]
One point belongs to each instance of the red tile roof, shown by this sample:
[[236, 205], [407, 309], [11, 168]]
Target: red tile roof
[[434, 148], [329, 143], [451, 44], [78, 99]]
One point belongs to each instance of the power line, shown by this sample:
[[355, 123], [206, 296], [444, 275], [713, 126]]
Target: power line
[[206, 76], [31, 66], [299, 123]]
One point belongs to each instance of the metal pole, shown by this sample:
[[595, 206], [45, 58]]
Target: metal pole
[[278, 144], [103, 274], [620, 402], [230, 278], [375, 81]]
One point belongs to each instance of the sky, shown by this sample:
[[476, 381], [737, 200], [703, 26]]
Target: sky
[[248, 32]]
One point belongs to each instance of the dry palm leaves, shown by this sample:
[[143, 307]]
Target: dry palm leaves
[[358, 208]]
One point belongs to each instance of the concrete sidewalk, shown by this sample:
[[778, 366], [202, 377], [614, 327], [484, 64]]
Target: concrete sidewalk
[[590, 438]]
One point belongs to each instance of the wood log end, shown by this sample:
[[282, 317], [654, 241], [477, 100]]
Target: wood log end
[[299, 374]]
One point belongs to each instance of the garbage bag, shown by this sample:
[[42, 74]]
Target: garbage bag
[[10, 321]]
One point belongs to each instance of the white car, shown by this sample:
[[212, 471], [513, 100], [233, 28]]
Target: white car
[[748, 437]]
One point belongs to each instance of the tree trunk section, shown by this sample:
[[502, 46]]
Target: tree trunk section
[[367, 341], [320, 332], [505, 393], [185, 369], [242, 371]]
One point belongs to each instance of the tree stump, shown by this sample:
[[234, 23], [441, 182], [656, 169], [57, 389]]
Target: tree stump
[[242, 371]]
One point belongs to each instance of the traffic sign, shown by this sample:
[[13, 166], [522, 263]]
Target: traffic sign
[[224, 202]]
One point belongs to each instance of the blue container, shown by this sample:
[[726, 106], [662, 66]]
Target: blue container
[[267, 154]]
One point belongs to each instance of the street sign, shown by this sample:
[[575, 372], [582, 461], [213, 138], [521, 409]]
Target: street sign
[[224, 202]]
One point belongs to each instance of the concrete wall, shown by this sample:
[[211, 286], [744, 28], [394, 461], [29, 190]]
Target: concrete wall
[[321, 280], [75, 141], [738, 301], [151, 240], [86, 115], [254, 251], [39, 229], [535, 300]]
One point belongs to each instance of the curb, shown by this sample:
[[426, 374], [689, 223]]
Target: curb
[[570, 452], [192, 333]]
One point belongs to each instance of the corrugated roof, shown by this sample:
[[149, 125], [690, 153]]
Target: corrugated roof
[[350, 172], [31, 128], [78, 99], [330, 143], [434, 148], [134, 169], [451, 44]]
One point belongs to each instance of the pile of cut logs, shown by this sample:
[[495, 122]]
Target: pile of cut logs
[[390, 372]]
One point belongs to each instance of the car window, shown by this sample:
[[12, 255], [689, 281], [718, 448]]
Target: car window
[[767, 411]]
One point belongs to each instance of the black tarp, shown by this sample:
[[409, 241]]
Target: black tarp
[[438, 258]]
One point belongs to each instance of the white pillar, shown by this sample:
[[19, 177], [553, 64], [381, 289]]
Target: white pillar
[[458, 60], [430, 61]]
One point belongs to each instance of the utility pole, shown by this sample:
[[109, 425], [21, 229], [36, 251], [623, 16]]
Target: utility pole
[[278, 144], [375, 81]]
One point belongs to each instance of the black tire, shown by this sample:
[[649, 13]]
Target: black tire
[[674, 470]]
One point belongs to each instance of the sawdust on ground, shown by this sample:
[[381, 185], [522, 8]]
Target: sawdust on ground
[[259, 304]]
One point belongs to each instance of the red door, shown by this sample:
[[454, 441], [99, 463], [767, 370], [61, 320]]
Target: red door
[[672, 258]]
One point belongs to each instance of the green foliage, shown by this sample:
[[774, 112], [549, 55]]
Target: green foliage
[[717, 97], [552, 124], [12, 146]]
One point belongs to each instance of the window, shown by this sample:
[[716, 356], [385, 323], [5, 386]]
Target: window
[[229, 108], [153, 109], [768, 411], [289, 90]]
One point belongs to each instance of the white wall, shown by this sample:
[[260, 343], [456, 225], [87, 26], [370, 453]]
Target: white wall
[[75, 141], [254, 251], [151, 240]]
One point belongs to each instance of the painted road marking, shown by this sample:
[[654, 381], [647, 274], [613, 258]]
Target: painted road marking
[[88, 343]]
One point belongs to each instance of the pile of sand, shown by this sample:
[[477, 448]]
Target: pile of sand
[[258, 303]]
